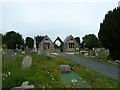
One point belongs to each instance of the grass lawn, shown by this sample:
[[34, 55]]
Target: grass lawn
[[0, 70], [99, 60], [45, 72]]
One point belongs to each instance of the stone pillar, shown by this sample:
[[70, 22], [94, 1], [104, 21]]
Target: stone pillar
[[35, 48]]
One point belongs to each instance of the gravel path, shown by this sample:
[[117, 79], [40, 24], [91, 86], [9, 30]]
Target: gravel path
[[105, 69]]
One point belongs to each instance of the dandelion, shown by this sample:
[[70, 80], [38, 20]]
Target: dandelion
[[43, 86], [8, 73], [87, 70], [52, 78]]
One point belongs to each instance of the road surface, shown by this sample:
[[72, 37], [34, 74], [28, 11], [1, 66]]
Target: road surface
[[105, 69]]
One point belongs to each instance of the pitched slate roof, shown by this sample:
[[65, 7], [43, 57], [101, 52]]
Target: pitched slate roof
[[69, 37]]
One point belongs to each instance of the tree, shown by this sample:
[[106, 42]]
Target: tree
[[109, 33], [90, 41], [4, 46], [38, 40], [29, 42], [77, 39], [13, 39], [1, 36]]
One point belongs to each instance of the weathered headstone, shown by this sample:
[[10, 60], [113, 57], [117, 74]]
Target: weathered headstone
[[39, 52], [47, 53], [23, 52], [96, 54], [86, 54], [25, 86], [65, 69], [27, 61]]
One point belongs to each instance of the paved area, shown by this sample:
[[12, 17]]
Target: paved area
[[105, 69]]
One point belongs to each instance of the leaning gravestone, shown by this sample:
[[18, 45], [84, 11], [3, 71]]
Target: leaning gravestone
[[27, 61], [96, 54], [25, 86], [39, 52], [47, 53]]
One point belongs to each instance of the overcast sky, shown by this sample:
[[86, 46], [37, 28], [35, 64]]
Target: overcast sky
[[54, 18]]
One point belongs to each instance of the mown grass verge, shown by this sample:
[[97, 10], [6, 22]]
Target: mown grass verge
[[98, 60], [44, 72]]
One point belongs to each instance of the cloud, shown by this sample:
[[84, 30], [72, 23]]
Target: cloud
[[54, 19]]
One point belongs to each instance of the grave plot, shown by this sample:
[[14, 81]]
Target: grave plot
[[70, 78]]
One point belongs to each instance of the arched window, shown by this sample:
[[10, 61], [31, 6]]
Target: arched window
[[71, 45]]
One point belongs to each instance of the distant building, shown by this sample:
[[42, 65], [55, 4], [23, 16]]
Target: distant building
[[70, 43], [46, 44]]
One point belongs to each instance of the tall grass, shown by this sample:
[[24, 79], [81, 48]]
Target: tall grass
[[44, 72]]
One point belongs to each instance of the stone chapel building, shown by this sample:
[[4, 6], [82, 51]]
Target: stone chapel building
[[70, 43], [46, 44]]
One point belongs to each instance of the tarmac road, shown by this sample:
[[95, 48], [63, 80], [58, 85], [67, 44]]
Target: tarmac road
[[105, 69]]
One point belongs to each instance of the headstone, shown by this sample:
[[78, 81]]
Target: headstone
[[25, 86], [96, 54], [23, 52], [47, 53], [117, 61], [86, 54], [27, 61], [39, 52], [65, 69], [9, 57]]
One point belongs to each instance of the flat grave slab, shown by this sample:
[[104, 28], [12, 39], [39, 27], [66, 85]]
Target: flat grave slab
[[69, 77], [73, 78]]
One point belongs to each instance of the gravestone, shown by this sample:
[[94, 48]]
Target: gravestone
[[39, 52], [9, 57], [96, 54], [27, 61], [25, 86], [86, 54], [47, 53], [65, 69]]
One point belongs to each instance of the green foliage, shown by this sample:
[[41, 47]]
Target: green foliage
[[56, 46], [45, 72], [1, 38], [11, 39], [77, 39], [90, 41], [4, 46], [38, 39], [109, 33], [29, 42]]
